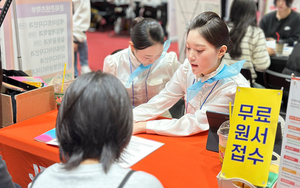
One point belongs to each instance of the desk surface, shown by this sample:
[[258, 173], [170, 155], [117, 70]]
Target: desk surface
[[278, 63], [181, 162]]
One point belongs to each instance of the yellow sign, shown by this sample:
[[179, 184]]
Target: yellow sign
[[252, 134]]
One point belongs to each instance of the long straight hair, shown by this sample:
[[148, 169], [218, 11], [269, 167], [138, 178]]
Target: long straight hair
[[242, 15]]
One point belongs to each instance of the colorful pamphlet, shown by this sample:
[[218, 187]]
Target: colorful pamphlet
[[30, 80], [47, 136]]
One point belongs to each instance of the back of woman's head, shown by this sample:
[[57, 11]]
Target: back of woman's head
[[94, 120], [242, 15], [146, 32], [212, 28]]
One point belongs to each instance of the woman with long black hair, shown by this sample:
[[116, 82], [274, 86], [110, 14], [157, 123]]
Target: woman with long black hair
[[248, 40]]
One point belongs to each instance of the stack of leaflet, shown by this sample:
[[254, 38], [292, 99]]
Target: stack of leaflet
[[47, 136]]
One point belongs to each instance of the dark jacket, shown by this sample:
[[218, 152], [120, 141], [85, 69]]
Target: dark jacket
[[293, 63]]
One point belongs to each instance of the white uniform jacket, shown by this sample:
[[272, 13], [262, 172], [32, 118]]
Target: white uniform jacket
[[195, 120], [81, 19], [159, 74]]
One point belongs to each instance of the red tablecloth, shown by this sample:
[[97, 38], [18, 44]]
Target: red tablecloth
[[180, 162]]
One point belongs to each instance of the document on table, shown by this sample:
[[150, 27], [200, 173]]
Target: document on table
[[137, 149], [53, 142]]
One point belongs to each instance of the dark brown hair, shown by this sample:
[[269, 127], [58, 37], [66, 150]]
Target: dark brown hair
[[242, 15], [94, 121], [212, 28], [287, 2], [146, 32]]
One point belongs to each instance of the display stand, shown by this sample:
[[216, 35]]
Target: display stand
[[45, 37], [228, 183]]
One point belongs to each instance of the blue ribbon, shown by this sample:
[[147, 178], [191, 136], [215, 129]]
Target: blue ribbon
[[142, 68], [226, 72]]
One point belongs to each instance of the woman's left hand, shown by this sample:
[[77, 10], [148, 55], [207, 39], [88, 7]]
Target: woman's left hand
[[139, 127]]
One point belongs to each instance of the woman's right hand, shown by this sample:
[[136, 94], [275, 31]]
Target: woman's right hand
[[270, 39], [139, 127], [271, 51]]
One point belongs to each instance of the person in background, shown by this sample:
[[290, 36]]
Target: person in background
[[284, 20], [81, 23], [248, 40], [203, 79], [91, 140], [293, 63], [145, 66]]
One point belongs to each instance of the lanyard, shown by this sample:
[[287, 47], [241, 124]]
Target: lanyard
[[132, 81], [187, 104]]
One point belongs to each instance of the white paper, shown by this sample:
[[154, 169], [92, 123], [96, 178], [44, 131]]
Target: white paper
[[289, 170], [271, 44], [137, 149], [287, 51], [53, 142]]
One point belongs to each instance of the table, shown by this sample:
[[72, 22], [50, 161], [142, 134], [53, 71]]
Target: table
[[181, 162], [278, 63]]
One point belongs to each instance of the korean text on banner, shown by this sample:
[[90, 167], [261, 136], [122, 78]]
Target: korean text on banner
[[289, 171], [252, 134]]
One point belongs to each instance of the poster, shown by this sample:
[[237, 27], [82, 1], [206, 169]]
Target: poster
[[289, 171], [45, 38], [171, 25], [5, 38], [252, 133]]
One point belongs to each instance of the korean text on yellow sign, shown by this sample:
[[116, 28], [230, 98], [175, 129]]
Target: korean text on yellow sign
[[252, 133]]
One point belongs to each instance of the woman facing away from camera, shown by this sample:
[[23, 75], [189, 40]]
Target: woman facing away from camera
[[203, 79], [145, 66], [91, 140], [248, 40]]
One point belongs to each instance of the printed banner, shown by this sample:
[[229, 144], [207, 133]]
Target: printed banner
[[44, 37], [289, 170], [252, 134]]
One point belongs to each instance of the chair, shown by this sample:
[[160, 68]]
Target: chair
[[275, 80], [247, 74], [177, 110]]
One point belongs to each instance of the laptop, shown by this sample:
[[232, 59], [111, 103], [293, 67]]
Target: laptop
[[215, 119]]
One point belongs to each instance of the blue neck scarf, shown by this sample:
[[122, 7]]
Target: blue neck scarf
[[142, 68], [226, 72]]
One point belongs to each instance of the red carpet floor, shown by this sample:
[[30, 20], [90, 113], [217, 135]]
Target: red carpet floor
[[101, 44]]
